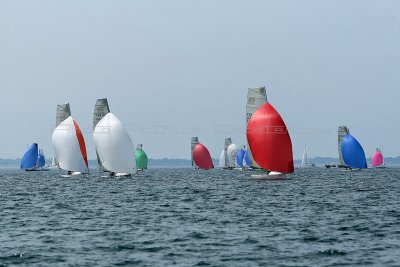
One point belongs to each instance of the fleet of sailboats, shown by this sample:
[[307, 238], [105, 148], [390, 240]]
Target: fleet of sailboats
[[268, 150]]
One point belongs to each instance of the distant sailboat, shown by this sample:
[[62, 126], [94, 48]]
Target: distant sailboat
[[378, 160], [101, 109], [353, 153], [242, 158], [201, 157], [114, 146], [33, 159], [195, 141], [69, 146], [304, 159], [141, 158], [228, 155], [256, 97], [270, 143]]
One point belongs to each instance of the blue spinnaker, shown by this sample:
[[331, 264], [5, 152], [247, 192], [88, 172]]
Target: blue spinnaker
[[247, 158], [41, 160], [240, 157], [353, 153], [30, 157]]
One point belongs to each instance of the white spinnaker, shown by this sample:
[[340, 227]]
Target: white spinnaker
[[113, 145], [222, 161], [256, 97], [66, 147], [231, 153]]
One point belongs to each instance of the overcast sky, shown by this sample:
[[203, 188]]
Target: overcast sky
[[175, 69]]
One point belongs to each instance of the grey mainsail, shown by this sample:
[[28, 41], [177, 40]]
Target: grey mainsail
[[342, 132], [100, 110], [256, 97], [63, 112], [195, 141]]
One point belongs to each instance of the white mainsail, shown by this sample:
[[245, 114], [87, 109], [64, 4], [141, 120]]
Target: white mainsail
[[69, 147], [256, 97], [222, 160], [114, 146], [101, 109], [304, 159]]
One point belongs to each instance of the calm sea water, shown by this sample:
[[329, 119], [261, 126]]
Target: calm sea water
[[183, 217]]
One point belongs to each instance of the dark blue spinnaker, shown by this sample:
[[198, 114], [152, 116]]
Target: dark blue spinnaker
[[247, 158], [240, 157], [41, 160], [353, 153], [30, 157]]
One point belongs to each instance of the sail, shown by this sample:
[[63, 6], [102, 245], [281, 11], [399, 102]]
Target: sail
[[269, 140], [30, 157], [195, 141], [247, 158], [231, 153], [353, 153], [41, 161], [101, 108], [63, 112], [240, 157], [342, 132], [222, 160], [141, 158], [69, 146], [304, 159], [113, 145], [377, 159], [256, 97], [202, 157]]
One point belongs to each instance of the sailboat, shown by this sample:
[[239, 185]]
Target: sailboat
[[69, 144], [114, 146], [353, 153], [33, 159], [101, 109], [201, 158], [256, 97], [228, 156], [270, 143], [304, 159], [378, 160], [141, 158]]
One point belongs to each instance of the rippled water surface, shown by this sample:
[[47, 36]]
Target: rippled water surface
[[184, 217]]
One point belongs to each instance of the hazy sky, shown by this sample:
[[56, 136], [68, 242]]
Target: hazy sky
[[175, 69]]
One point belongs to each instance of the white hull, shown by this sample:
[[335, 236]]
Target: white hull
[[269, 176], [379, 167], [72, 175]]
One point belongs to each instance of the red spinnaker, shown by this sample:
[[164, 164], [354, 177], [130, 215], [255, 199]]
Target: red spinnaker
[[269, 140], [202, 157], [81, 142]]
